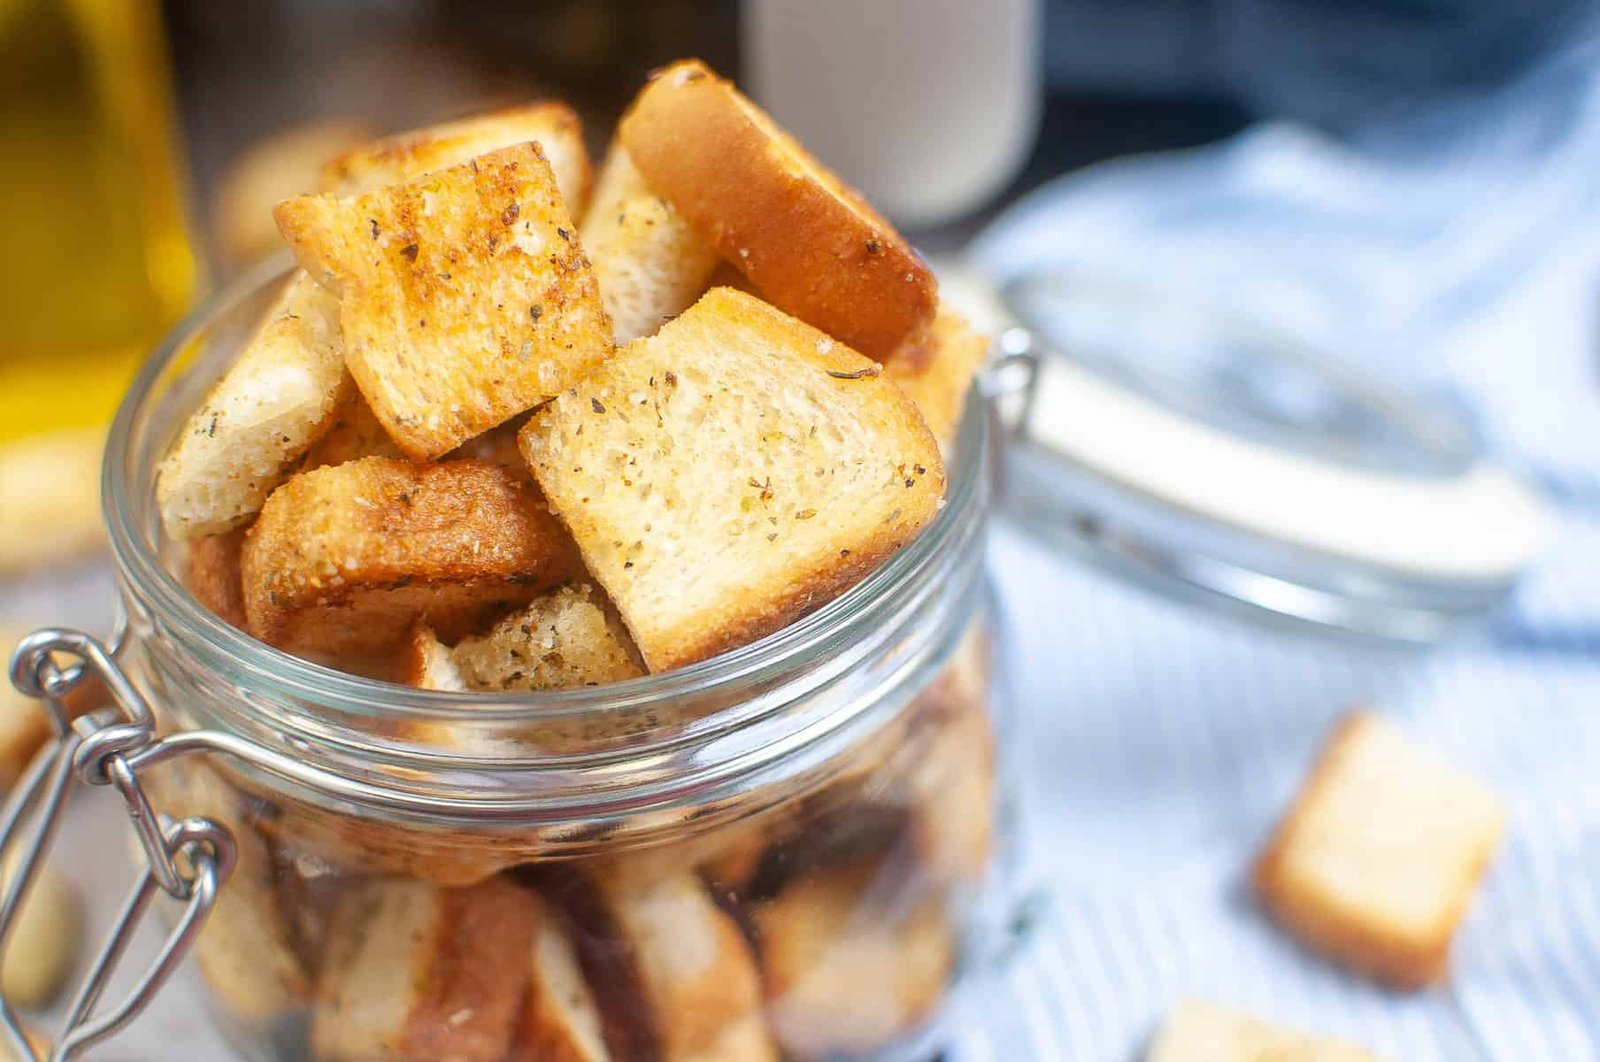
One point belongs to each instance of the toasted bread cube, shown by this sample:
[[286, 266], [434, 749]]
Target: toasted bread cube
[[568, 637], [844, 976], [425, 663], [50, 481], [259, 419], [343, 560], [561, 1020], [673, 973], [650, 263], [246, 951], [936, 369], [1203, 1032], [273, 168], [464, 295], [952, 798], [730, 473], [746, 1040], [1377, 859], [216, 578], [416, 971], [813, 246], [352, 433], [404, 156]]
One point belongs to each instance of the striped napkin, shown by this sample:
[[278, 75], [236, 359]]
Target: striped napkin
[[1458, 247]]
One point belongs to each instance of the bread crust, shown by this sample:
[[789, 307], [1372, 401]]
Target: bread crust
[[403, 156], [634, 406], [813, 246], [465, 296], [216, 577], [344, 559], [935, 369], [1367, 937]]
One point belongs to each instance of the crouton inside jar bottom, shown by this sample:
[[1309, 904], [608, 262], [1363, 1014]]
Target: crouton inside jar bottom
[[828, 920]]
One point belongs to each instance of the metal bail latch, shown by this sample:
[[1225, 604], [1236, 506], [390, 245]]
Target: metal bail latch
[[188, 860]]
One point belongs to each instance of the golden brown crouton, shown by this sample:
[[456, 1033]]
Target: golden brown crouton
[[844, 976], [260, 418], [1377, 859], [273, 168], [50, 480], [672, 972], [425, 663], [936, 370], [1203, 1032], [813, 246], [741, 435], [345, 559], [215, 576], [352, 433], [650, 263], [399, 158], [560, 1019], [415, 971], [568, 637], [464, 295]]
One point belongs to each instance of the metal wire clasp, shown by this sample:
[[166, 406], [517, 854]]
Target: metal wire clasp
[[188, 860]]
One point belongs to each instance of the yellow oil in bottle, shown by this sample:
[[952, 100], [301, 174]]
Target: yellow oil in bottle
[[95, 257]]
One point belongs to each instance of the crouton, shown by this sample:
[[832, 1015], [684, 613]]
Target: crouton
[[560, 1019], [952, 797], [215, 576], [414, 971], [353, 432], [404, 156], [246, 952], [1203, 1032], [50, 481], [1377, 859], [344, 559], [273, 168], [844, 976], [260, 418], [936, 370], [672, 972], [738, 435], [814, 247], [425, 663], [568, 637], [650, 263], [465, 297]]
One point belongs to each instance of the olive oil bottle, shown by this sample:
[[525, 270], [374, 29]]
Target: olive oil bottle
[[95, 257]]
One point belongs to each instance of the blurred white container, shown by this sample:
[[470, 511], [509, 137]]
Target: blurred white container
[[929, 107]]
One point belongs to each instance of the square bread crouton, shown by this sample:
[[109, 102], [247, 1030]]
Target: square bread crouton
[[216, 578], [843, 976], [813, 246], [936, 371], [672, 972], [259, 419], [1377, 859], [424, 662], [732, 472], [344, 559], [561, 1020], [353, 432], [464, 295], [649, 261], [1203, 1032], [417, 971], [399, 158], [246, 952], [568, 637]]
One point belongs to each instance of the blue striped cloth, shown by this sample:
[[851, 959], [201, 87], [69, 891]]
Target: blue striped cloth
[[1459, 246]]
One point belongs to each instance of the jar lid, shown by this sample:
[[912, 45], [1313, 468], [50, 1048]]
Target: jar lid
[[1229, 461]]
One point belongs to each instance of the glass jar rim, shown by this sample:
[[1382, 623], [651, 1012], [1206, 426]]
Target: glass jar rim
[[128, 505]]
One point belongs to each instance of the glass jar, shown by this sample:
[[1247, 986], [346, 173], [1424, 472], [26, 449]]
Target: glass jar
[[792, 850]]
